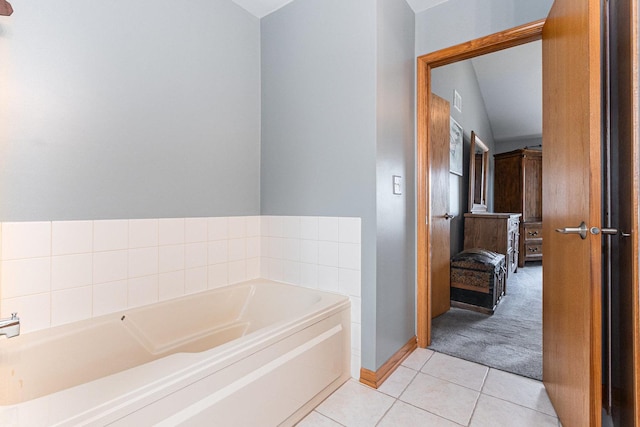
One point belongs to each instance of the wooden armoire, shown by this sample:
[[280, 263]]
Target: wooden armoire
[[518, 188]]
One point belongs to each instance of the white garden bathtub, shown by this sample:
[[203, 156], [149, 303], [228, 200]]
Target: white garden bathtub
[[258, 353]]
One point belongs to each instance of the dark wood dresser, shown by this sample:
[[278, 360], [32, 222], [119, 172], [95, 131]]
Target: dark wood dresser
[[497, 232], [518, 188]]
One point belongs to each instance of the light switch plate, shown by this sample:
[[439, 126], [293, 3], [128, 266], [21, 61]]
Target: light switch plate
[[397, 184]]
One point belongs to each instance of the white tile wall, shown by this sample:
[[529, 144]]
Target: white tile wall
[[142, 290], [22, 277], [71, 237], [195, 255], [143, 233], [26, 240], [62, 271], [171, 258], [109, 297], [70, 305], [110, 235], [71, 271], [196, 279], [317, 252], [57, 272], [195, 230], [171, 285], [171, 231]]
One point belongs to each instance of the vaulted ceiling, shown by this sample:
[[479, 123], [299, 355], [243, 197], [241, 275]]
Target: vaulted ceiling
[[511, 85], [262, 8]]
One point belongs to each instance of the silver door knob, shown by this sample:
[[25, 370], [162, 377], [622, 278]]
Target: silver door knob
[[448, 216], [581, 230]]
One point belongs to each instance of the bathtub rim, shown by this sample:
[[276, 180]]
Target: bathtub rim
[[146, 383]]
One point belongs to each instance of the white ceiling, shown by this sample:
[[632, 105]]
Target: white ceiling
[[511, 84], [422, 5], [262, 8], [510, 80]]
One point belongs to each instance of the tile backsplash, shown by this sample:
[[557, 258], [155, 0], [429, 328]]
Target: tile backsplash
[[62, 271], [317, 252], [58, 272]]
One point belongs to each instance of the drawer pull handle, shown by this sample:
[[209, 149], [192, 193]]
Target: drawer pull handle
[[533, 249], [532, 233]]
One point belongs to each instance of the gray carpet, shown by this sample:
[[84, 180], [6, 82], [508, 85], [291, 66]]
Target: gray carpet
[[509, 340]]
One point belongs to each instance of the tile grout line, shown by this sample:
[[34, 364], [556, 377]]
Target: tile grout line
[[451, 382], [427, 411], [51, 275], [480, 393], [522, 406], [473, 412], [514, 403], [396, 399], [328, 417], [419, 371]]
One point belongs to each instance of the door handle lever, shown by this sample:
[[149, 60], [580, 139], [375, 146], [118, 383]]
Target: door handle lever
[[448, 216], [581, 230]]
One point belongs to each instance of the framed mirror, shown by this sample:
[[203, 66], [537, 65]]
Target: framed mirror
[[478, 171]]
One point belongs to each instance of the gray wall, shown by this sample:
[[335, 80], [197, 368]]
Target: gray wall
[[319, 123], [461, 76], [118, 109], [337, 123], [396, 234], [458, 21], [123, 110]]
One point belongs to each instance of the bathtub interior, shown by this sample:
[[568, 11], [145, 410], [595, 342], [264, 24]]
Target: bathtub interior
[[40, 365], [266, 305], [44, 362], [202, 321], [213, 318]]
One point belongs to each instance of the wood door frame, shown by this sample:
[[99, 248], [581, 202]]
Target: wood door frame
[[503, 40]]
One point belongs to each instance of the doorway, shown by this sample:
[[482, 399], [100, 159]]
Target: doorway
[[501, 103], [574, 126], [510, 38]]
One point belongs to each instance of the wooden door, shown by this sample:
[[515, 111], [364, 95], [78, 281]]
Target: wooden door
[[439, 205], [572, 266]]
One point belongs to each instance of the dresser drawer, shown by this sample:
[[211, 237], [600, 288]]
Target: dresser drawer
[[533, 251], [532, 231]]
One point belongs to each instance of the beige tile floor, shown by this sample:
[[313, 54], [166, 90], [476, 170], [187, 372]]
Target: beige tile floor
[[433, 389]]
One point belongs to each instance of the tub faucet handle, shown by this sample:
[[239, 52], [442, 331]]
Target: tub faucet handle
[[10, 327]]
